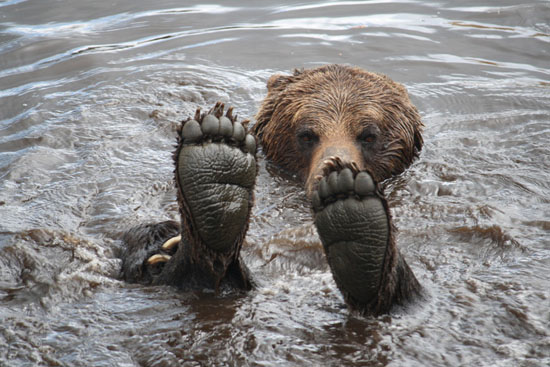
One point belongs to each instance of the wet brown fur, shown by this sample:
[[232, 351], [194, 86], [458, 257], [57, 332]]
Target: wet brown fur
[[338, 104]]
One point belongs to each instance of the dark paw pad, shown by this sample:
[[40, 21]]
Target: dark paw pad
[[215, 173], [353, 224]]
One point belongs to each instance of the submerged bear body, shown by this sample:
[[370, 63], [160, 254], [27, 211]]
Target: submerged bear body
[[342, 130]]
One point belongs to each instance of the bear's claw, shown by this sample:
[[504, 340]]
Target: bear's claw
[[353, 223], [158, 258], [171, 243]]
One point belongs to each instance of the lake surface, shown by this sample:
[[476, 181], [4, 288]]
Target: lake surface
[[91, 94]]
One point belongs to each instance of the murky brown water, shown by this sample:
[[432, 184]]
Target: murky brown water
[[91, 92]]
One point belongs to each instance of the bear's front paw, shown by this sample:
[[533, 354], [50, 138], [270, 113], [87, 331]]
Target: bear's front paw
[[353, 223]]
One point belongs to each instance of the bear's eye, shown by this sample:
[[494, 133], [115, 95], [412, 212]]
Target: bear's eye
[[307, 137], [367, 138]]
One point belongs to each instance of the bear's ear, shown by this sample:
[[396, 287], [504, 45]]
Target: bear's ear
[[278, 82]]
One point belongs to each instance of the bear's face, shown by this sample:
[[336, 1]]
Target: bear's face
[[335, 110]]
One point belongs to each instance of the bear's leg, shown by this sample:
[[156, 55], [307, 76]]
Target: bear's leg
[[354, 224], [215, 177]]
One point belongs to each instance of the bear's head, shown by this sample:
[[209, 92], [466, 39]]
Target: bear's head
[[341, 111]]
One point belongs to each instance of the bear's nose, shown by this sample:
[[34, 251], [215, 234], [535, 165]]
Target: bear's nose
[[341, 151]]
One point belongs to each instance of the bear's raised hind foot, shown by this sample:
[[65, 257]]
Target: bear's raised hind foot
[[354, 224], [215, 177]]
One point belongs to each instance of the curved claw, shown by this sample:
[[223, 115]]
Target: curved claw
[[171, 243], [158, 258]]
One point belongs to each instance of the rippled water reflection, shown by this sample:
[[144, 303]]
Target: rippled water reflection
[[91, 94]]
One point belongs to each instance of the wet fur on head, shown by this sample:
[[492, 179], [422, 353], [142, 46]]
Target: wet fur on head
[[338, 104]]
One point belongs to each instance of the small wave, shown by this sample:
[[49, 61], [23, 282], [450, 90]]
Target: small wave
[[493, 238]]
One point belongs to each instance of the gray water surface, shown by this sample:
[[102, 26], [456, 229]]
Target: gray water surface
[[91, 94]]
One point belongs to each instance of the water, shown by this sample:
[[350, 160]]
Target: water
[[90, 97]]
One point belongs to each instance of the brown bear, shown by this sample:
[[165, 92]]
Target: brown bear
[[342, 130]]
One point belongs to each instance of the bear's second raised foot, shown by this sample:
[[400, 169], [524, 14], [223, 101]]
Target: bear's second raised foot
[[215, 177], [354, 224], [215, 174]]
